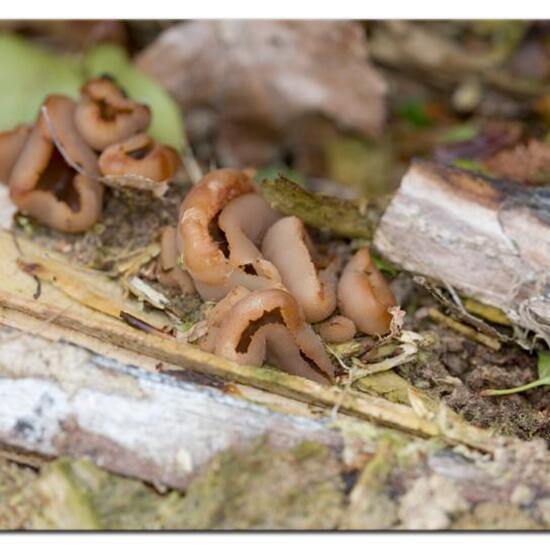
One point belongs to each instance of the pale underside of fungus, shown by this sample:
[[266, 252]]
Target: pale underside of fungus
[[169, 272], [364, 295], [270, 324], [244, 222], [44, 184], [288, 246]]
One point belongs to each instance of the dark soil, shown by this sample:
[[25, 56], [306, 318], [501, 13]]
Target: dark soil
[[457, 369]]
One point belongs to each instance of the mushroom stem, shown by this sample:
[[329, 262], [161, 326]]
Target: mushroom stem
[[364, 295], [169, 273]]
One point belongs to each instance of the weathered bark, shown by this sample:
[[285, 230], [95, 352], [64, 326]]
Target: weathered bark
[[490, 239], [58, 399]]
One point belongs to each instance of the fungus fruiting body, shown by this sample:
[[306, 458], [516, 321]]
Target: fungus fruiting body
[[105, 116], [364, 295], [140, 156], [288, 246], [11, 144], [217, 315], [202, 254], [337, 329], [44, 184], [244, 222], [270, 323], [265, 273], [204, 245], [169, 273]]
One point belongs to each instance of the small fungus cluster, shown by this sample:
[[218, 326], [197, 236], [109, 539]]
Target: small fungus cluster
[[56, 169], [268, 279]]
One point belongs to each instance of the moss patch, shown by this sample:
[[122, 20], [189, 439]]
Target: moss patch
[[262, 488]]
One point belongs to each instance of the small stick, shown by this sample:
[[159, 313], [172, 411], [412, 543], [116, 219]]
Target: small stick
[[465, 330]]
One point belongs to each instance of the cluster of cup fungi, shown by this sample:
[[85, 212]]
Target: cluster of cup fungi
[[269, 281], [56, 169]]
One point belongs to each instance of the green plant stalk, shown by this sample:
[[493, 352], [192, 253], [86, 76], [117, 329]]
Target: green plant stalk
[[543, 369], [517, 389]]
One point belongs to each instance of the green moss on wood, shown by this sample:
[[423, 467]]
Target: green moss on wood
[[341, 217]]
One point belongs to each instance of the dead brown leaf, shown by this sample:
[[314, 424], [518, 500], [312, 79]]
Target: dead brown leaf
[[246, 83]]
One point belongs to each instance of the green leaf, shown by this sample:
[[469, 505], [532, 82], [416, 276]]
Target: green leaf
[[460, 132], [29, 74], [472, 166], [167, 121], [543, 369], [543, 364], [414, 111], [385, 265]]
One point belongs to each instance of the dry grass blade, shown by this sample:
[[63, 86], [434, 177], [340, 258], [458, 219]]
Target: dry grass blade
[[84, 286], [467, 331]]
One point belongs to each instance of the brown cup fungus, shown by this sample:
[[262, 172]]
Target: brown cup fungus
[[337, 329], [53, 180], [169, 273], [288, 246], [217, 314], [244, 222], [205, 248], [140, 156], [270, 324], [11, 144], [104, 115], [364, 295]]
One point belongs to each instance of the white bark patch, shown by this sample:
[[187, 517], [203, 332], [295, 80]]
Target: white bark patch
[[58, 399]]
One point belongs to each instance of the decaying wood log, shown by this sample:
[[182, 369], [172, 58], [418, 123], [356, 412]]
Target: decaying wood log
[[490, 239], [90, 328], [59, 399]]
